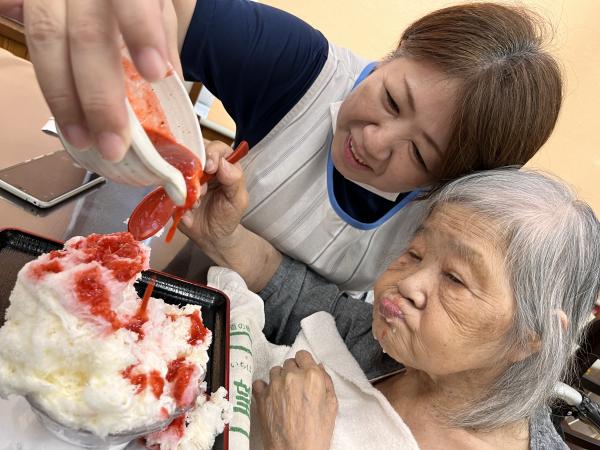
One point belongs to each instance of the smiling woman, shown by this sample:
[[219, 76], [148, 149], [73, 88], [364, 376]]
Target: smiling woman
[[453, 71], [391, 129]]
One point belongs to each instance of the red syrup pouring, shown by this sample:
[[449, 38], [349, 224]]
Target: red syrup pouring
[[156, 208]]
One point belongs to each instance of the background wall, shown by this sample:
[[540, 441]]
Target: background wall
[[372, 28]]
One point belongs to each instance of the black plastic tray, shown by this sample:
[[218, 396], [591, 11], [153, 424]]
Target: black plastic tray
[[19, 247]]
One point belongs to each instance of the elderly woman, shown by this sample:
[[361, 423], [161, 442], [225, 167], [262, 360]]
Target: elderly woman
[[483, 309]]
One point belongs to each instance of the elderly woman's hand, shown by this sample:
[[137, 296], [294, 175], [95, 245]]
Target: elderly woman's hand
[[297, 409]]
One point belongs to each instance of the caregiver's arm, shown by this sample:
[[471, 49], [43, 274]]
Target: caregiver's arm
[[184, 10], [214, 226], [289, 289], [246, 253]]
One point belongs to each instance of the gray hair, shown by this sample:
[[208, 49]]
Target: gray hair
[[552, 258]]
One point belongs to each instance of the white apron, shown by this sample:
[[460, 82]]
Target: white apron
[[286, 174]]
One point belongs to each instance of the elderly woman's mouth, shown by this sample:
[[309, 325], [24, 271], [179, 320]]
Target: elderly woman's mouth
[[390, 310]]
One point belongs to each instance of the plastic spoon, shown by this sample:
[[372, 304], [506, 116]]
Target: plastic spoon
[[156, 208]]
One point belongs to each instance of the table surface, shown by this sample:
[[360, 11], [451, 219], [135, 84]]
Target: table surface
[[103, 209]]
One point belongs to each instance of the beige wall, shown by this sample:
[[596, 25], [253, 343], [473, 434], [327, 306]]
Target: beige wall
[[372, 27]]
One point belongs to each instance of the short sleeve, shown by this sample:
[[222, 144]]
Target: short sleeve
[[258, 60]]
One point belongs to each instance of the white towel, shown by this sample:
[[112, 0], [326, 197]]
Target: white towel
[[365, 421]]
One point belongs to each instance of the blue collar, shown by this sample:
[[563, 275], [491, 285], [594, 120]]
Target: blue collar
[[367, 70]]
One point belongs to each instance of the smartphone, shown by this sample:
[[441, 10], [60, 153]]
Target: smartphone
[[48, 179]]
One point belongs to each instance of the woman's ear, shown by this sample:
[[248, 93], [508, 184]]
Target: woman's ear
[[532, 347], [564, 321], [534, 340]]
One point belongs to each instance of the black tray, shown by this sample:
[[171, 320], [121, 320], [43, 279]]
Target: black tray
[[19, 247]]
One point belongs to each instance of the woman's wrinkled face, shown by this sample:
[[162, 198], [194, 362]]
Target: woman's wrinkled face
[[446, 304], [394, 127]]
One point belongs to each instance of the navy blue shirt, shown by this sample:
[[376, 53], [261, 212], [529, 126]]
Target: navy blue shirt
[[259, 61]]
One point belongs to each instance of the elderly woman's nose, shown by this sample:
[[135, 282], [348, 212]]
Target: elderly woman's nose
[[414, 288]]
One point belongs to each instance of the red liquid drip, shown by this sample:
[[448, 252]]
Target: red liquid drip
[[197, 329], [141, 316], [157, 211], [177, 215], [188, 164]]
